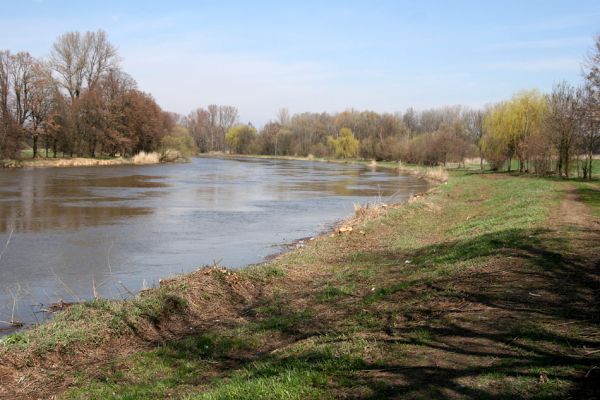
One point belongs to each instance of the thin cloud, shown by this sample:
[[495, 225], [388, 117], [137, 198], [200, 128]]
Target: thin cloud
[[550, 64], [556, 43]]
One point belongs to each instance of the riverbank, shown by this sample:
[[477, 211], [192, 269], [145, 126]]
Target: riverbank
[[62, 162], [434, 175], [484, 288]]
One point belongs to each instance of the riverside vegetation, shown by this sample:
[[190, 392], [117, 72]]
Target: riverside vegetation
[[79, 102], [485, 287]]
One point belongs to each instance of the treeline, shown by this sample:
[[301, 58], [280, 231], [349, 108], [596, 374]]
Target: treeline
[[427, 137], [76, 102], [554, 133]]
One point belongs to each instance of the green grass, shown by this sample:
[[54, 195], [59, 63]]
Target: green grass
[[590, 195], [596, 168], [172, 367], [92, 322], [335, 293], [28, 153]]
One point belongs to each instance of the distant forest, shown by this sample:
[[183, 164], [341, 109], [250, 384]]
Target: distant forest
[[79, 102]]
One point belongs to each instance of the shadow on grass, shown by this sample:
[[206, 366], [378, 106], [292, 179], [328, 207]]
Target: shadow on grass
[[521, 286], [526, 283]]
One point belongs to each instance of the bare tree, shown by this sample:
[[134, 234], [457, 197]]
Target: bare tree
[[475, 129], [68, 58], [43, 95], [102, 56], [283, 116], [197, 123], [80, 60], [22, 75], [561, 120], [590, 124], [16, 79], [228, 117], [5, 117], [588, 130], [209, 126]]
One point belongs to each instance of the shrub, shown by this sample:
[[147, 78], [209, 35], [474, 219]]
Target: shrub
[[177, 145]]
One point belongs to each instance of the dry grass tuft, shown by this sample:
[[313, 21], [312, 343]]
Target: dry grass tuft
[[434, 174], [368, 211], [438, 174], [146, 158], [139, 159]]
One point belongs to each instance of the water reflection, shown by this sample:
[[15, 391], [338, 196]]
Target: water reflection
[[36, 200], [73, 229]]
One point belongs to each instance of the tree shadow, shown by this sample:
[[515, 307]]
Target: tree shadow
[[534, 282], [497, 331]]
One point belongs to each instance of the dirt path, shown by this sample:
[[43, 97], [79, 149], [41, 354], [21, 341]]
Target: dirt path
[[573, 212]]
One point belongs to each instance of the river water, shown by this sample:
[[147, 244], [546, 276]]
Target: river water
[[66, 231]]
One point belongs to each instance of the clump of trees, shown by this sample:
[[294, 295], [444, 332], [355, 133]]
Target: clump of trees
[[209, 126], [430, 137], [76, 102], [554, 133]]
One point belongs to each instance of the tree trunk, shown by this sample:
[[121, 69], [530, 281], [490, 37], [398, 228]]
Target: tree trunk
[[35, 145], [480, 159], [93, 148], [521, 165]]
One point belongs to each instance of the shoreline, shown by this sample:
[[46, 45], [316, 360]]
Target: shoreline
[[434, 175], [284, 248], [73, 163]]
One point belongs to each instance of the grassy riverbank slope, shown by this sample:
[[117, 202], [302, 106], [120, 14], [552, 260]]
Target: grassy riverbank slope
[[487, 287]]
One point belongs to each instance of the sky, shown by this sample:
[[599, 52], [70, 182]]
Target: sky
[[323, 55]]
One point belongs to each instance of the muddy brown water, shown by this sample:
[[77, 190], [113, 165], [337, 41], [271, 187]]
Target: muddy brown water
[[66, 231]]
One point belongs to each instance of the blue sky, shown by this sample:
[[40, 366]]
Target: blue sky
[[323, 55]]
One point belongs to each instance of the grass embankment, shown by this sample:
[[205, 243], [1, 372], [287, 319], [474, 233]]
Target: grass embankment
[[485, 288]]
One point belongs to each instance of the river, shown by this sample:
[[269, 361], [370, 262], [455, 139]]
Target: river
[[67, 232]]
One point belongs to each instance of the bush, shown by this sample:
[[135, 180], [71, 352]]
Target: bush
[[177, 145], [319, 150]]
